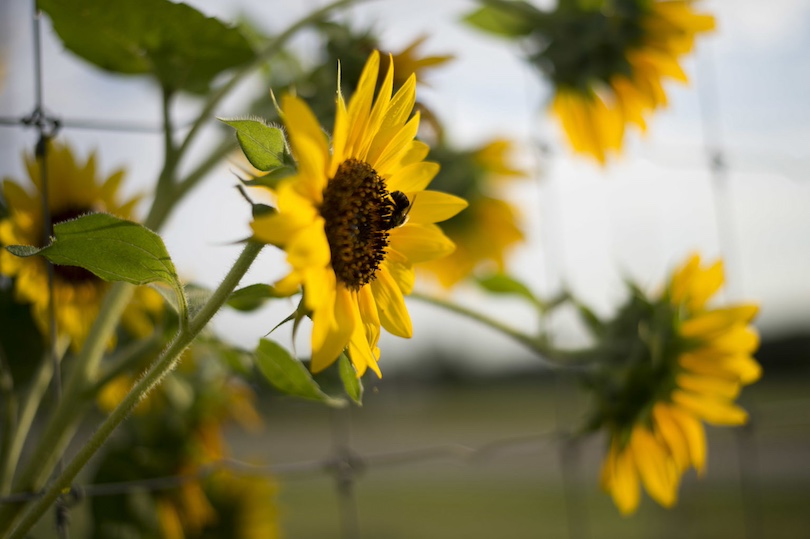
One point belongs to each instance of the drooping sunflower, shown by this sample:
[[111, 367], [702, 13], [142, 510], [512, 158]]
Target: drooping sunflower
[[489, 227], [340, 217], [606, 59], [621, 76], [73, 189], [685, 366]]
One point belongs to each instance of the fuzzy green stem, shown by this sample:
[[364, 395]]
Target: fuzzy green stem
[[538, 344], [162, 366], [9, 428], [62, 424], [268, 52]]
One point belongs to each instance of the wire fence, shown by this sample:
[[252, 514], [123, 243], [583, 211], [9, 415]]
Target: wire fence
[[343, 463]]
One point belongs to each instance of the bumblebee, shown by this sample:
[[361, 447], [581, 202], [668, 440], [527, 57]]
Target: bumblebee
[[397, 208]]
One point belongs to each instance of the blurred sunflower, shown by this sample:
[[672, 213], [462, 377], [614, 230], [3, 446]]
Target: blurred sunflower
[[675, 362], [179, 432], [639, 44], [606, 59], [354, 221], [73, 190], [488, 228]]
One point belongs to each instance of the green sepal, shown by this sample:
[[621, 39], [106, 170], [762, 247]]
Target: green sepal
[[351, 383], [263, 144], [500, 283], [288, 375], [505, 19], [112, 249], [252, 297], [272, 178], [181, 47]]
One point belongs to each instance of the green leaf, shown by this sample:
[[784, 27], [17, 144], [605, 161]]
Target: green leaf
[[179, 45], [263, 144], [352, 384], [507, 19], [252, 297], [272, 178], [113, 249], [504, 284], [289, 375]]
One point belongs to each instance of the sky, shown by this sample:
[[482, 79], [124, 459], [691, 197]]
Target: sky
[[588, 227]]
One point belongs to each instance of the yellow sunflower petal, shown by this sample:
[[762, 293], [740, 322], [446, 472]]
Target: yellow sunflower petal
[[413, 177], [379, 113], [694, 434], [620, 478], [331, 329], [420, 243], [360, 107], [739, 340], [669, 431], [709, 386], [705, 285], [433, 207], [391, 305], [391, 157], [654, 466], [403, 274], [714, 411], [309, 247], [359, 347], [416, 152], [682, 278], [308, 141], [740, 367], [709, 323], [397, 114]]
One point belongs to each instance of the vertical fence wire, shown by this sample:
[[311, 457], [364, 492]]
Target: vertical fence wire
[[344, 468], [46, 130], [711, 124]]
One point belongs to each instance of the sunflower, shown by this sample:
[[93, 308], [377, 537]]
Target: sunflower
[[485, 232], [340, 217], [687, 366], [73, 190], [618, 80]]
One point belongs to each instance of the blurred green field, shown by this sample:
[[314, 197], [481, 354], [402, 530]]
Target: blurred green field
[[519, 491]]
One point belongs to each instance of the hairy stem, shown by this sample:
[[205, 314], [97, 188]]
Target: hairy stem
[[164, 364], [556, 357]]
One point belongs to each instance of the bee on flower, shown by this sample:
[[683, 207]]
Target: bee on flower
[[334, 217]]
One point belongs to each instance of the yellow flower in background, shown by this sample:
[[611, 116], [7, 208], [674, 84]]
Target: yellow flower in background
[[690, 369], [340, 218], [488, 228], [594, 108], [409, 62], [73, 190]]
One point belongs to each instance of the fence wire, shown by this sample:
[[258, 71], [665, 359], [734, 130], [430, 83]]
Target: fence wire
[[343, 463]]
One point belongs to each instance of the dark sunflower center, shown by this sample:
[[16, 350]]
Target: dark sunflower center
[[71, 274], [357, 212]]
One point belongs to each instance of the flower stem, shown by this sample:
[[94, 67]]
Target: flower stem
[[162, 366], [262, 56], [62, 424], [556, 357]]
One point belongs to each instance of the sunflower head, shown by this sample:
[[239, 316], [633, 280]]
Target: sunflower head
[[608, 61], [74, 188], [669, 364], [356, 217], [489, 228]]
